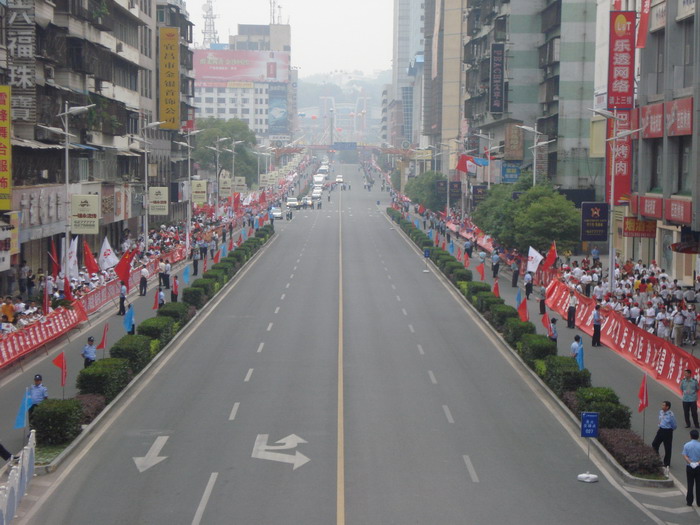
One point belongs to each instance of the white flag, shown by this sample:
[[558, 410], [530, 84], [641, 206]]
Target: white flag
[[73, 270], [471, 167], [107, 257], [533, 260]]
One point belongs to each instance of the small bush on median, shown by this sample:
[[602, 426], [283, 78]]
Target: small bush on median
[[134, 348], [535, 347], [500, 313], [514, 329], [226, 266], [106, 377], [631, 452], [606, 402], [57, 421], [208, 286], [484, 300], [472, 288], [91, 405], [160, 328], [562, 374], [461, 275], [178, 311], [220, 276], [194, 296]]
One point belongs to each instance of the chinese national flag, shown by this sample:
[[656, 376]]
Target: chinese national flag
[[240, 240], [444, 245], [437, 239], [155, 300], [217, 256], [60, 362], [123, 267], [90, 262], [230, 243], [522, 311], [55, 267], [66, 290], [643, 395], [467, 260], [496, 288], [551, 257], [547, 324], [103, 342], [480, 269]]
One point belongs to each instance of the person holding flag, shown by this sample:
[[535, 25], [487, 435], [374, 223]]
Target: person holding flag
[[577, 351]]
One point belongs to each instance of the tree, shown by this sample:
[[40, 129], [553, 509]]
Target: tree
[[214, 129], [423, 190]]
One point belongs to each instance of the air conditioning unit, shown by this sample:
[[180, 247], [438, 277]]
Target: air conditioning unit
[[49, 72], [89, 137], [120, 47]]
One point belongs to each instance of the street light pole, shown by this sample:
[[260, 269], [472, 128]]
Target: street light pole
[[188, 229], [147, 202], [447, 173]]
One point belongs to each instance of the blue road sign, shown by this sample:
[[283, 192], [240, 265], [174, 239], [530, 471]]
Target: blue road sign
[[426, 252], [589, 424]]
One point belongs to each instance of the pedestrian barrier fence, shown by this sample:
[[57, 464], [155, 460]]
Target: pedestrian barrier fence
[[15, 487]]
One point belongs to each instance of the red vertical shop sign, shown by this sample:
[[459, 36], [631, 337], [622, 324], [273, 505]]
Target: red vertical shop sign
[[618, 159], [621, 60]]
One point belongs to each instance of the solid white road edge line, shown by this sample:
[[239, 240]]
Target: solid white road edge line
[[205, 499]]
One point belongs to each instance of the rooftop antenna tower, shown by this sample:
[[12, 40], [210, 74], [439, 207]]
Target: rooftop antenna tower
[[209, 33], [272, 12]]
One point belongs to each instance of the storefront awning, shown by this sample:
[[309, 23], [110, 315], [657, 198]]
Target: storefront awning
[[33, 144]]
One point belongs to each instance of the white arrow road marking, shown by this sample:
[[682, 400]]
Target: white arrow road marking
[[152, 458], [261, 450]]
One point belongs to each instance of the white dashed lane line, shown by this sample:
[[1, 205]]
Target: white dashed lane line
[[470, 468], [448, 414], [269, 327], [398, 298], [247, 376], [283, 296], [234, 411], [260, 347], [403, 311], [410, 327], [277, 310], [420, 350], [287, 286], [432, 377]]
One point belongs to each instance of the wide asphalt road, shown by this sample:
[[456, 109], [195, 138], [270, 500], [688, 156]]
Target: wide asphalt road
[[334, 382]]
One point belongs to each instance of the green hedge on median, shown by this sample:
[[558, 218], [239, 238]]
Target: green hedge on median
[[134, 348], [57, 421], [160, 328], [106, 377]]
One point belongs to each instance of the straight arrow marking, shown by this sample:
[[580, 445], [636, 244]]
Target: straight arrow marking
[[152, 458]]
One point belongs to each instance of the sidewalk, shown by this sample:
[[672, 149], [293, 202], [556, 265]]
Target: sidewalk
[[19, 377]]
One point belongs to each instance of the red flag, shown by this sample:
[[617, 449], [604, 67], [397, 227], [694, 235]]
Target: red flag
[[421, 209], [462, 163], [103, 342], [551, 256], [263, 198], [480, 269], [204, 270], [547, 324], [459, 253], [467, 260], [522, 311], [60, 362], [437, 238], [251, 232], [444, 245], [230, 243], [66, 290], [90, 262], [240, 240], [55, 266], [123, 267], [643, 27], [155, 300], [236, 201], [46, 303], [217, 256], [176, 286], [643, 395], [496, 288]]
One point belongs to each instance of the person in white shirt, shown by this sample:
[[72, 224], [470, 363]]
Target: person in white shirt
[[689, 295], [649, 317], [689, 323], [663, 324]]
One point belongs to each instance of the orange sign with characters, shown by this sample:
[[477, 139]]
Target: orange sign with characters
[[5, 149]]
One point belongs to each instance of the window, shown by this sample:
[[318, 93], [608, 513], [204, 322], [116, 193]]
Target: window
[[232, 101], [208, 100], [198, 99], [245, 111], [209, 110], [684, 178], [221, 100], [660, 61], [655, 177], [208, 90], [221, 110], [245, 101], [687, 28]]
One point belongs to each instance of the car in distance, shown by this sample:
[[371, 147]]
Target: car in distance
[[276, 213], [339, 178], [292, 202], [306, 200]]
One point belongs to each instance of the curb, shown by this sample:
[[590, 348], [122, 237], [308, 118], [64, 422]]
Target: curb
[[563, 409], [123, 396]]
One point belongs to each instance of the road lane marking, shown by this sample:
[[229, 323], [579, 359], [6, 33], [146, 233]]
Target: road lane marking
[[410, 327], [420, 350], [448, 414], [283, 296], [403, 310], [340, 439], [287, 285], [247, 376], [205, 499], [291, 276], [398, 298], [470, 468], [234, 411], [260, 347], [389, 276], [393, 287], [295, 268], [269, 327], [432, 377], [277, 310]]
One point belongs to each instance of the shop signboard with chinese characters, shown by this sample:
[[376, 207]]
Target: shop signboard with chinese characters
[[158, 200], [652, 117], [240, 185], [5, 149], [651, 207], [679, 117], [639, 228], [169, 77], [225, 185], [85, 214], [497, 83], [618, 158], [21, 58], [594, 221], [621, 60], [678, 211], [510, 171]]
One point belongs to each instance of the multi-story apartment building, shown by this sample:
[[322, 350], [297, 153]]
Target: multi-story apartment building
[[97, 54], [258, 86]]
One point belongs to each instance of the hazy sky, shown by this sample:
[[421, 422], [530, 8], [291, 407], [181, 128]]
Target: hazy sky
[[326, 35]]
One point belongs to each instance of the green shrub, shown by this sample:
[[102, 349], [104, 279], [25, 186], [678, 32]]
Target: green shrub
[[606, 402], [484, 300], [106, 377], [514, 329], [630, 451], [160, 328], [501, 312], [453, 266], [563, 374], [155, 347], [220, 276], [194, 296], [134, 348], [461, 275], [540, 367], [178, 311], [226, 266], [57, 421], [536, 347], [472, 288], [208, 286]]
